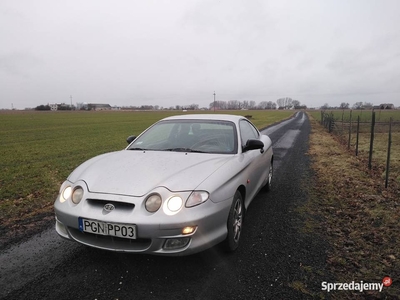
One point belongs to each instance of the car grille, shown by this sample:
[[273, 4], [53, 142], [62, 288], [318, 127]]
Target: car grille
[[99, 203], [109, 242]]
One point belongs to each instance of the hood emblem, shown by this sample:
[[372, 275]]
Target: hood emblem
[[109, 207]]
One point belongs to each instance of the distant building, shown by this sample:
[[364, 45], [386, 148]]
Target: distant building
[[98, 106], [60, 106], [386, 106]]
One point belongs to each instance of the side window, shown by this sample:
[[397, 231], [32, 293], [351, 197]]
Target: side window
[[247, 131]]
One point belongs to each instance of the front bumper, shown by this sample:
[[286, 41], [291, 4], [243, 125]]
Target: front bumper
[[157, 233]]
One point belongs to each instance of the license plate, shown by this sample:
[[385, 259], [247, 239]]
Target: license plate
[[111, 229]]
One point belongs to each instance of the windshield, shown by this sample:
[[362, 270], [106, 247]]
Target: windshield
[[203, 136]]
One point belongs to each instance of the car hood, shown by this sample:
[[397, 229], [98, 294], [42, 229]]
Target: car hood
[[136, 173]]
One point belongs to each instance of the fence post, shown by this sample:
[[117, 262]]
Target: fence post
[[330, 125], [388, 153], [348, 144], [331, 122], [358, 130], [342, 133], [371, 143]]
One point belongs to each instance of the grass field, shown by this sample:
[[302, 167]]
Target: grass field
[[381, 136], [39, 149], [365, 115], [352, 210]]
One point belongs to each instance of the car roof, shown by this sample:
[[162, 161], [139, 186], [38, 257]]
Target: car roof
[[221, 117]]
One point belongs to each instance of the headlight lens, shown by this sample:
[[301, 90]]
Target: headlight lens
[[196, 198], [65, 194], [174, 203], [77, 195], [153, 203]]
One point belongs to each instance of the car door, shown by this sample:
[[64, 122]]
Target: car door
[[254, 166]]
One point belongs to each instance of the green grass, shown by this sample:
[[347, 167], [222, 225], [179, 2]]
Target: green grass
[[381, 136], [365, 115], [379, 154], [350, 209], [39, 149]]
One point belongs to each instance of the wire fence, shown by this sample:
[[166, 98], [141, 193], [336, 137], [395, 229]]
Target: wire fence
[[368, 133]]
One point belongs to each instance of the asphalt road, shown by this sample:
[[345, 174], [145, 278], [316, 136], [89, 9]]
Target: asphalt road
[[273, 256]]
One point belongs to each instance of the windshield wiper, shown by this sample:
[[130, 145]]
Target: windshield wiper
[[184, 150], [142, 149]]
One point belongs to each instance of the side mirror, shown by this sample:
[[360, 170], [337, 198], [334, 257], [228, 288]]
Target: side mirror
[[130, 139], [253, 144]]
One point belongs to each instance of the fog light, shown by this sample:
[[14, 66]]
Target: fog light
[[188, 229], [172, 244]]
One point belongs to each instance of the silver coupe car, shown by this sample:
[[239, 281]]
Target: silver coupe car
[[180, 187]]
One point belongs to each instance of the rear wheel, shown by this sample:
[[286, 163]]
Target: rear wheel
[[235, 222]]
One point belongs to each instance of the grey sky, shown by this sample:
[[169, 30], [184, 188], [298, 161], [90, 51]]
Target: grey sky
[[178, 52]]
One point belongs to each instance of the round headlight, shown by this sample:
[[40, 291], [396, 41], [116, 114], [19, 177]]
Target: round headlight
[[153, 203], [77, 195], [66, 193], [175, 203]]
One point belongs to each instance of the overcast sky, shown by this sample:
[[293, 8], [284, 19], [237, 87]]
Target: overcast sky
[[178, 52]]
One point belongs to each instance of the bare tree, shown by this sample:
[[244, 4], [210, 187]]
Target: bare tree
[[193, 106], [358, 105], [233, 104], [285, 103], [325, 106], [262, 105], [218, 105], [296, 104], [368, 105], [267, 105]]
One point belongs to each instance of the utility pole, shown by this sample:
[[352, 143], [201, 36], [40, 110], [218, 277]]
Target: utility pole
[[71, 100], [214, 101]]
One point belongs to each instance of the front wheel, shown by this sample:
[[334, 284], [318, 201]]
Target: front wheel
[[268, 185], [235, 223]]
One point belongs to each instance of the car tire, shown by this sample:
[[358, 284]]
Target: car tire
[[268, 184], [234, 223]]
